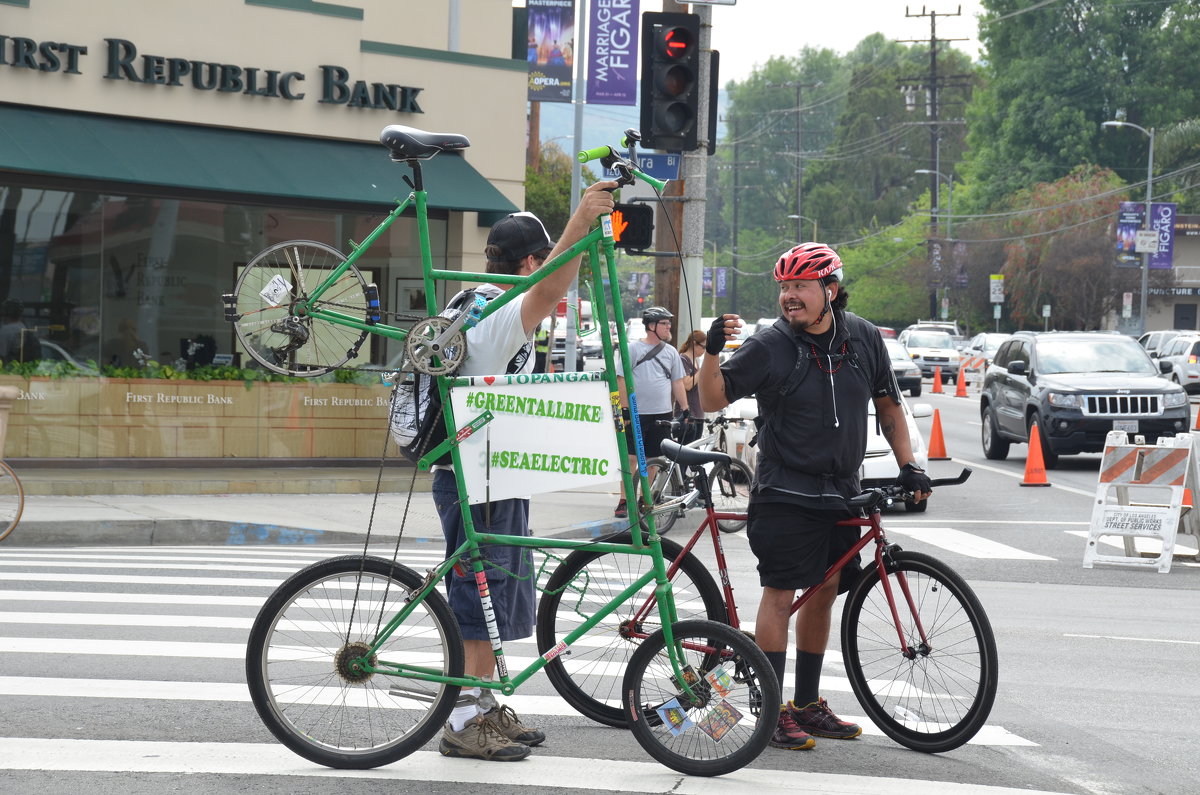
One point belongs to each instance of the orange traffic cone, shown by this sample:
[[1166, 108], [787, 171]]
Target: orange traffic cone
[[961, 389], [1035, 469], [1196, 427], [937, 446], [937, 381]]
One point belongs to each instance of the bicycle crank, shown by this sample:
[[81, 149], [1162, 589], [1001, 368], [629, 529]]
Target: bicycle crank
[[436, 339]]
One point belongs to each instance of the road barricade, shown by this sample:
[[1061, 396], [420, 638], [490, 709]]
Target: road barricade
[[970, 372], [1140, 494]]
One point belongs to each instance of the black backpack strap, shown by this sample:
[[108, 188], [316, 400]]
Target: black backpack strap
[[799, 369]]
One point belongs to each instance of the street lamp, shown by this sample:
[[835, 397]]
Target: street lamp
[[949, 199], [805, 218], [1146, 220]]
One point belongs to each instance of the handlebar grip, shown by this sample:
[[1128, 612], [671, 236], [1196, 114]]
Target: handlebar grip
[[588, 155], [962, 478]]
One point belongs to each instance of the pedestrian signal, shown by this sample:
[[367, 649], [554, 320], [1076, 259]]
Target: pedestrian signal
[[633, 226], [670, 81]]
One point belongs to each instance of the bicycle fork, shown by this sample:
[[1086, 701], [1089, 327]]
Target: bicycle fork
[[883, 557]]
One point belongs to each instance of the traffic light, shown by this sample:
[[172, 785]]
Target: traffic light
[[670, 81], [633, 226]]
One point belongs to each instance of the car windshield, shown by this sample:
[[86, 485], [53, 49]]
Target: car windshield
[[896, 351], [1116, 355], [991, 342], [929, 339]]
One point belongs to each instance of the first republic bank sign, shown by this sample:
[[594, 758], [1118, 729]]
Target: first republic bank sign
[[123, 62]]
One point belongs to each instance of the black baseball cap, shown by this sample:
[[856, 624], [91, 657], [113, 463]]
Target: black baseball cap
[[517, 236]]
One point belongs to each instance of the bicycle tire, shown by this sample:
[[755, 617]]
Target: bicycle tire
[[693, 745], [273, 334], [667, 485], [730, 487], [586, 678], [12, 500], [329, 714], [938, 700]]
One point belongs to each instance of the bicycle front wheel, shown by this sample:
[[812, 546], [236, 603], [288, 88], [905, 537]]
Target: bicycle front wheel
[[588, 675], [301, 673], [935, 693], [730, 486], [731, 713], [12, 500], [272, 330]]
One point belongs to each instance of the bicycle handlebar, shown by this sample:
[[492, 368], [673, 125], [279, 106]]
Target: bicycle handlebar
[[588, 155], [626, 167]]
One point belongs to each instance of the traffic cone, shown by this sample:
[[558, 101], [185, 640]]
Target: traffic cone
[[1035, 469], [1196, 427], [937, 446], [937, 381], [961, 388]]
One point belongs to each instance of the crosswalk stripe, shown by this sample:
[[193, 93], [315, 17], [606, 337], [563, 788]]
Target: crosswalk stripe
[[540, 770], [967, 544]]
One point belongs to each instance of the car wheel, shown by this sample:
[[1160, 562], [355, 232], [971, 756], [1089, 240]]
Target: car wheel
[[917, 507], [915, 391], [1049, 457], [995, 448]]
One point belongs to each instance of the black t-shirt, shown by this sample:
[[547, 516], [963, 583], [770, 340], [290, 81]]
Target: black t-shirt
[[812, 439]]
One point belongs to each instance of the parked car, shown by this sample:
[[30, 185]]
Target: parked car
[[1076, 387], [879, 465], [1183, 353], [984, 345], [908, 374], [1153, 341], [931, 350]]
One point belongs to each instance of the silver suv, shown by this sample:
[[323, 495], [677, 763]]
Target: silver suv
[[931, 350]]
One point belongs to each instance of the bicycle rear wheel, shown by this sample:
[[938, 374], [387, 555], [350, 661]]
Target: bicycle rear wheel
[[730, 716], [12, 500], [270, 329], [589, 675], [936, 695], [730, 485], [299, 663]]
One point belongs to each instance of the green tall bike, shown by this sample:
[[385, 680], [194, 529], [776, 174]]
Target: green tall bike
[[356, 661]]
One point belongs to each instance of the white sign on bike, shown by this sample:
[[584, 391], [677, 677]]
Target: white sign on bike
[[277, 291], [549, 432]]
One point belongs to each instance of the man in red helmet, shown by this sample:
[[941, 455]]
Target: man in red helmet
[[812, 372]]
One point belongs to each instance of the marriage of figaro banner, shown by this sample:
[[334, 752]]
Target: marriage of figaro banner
[[612, 52], [549, 432]]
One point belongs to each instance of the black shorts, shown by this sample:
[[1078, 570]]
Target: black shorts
[[795, 545], [652, 434]]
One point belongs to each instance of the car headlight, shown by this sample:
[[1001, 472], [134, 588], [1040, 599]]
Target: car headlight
[[1064, 400], [1175, 399]]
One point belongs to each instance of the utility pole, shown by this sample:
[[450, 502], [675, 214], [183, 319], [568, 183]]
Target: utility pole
[[799, 148]]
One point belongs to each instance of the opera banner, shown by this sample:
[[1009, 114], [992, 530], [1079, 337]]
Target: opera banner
[[1162, 221], [612, 52], [551, 51], [1129, 221], [549, 432]]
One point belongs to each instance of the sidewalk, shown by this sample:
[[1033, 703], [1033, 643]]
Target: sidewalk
[[251, 506]]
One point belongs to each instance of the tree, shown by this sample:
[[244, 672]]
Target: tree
[[548, 188]]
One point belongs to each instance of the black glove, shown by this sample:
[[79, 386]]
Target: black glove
[[716, 337], [913, 479]]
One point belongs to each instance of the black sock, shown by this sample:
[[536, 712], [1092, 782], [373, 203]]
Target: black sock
[[808, 678], [778, 660]]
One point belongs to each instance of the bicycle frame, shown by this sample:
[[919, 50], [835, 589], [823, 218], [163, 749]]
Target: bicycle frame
[[597, 244]]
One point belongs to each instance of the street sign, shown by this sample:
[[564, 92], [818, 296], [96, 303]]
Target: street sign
[[659, 166], [996, 291], [1127, 305], [996, 311], [1146, 241], [1045, 310]]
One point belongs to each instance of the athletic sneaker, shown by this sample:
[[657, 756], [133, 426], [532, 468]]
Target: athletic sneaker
[[480, 739], [818, 720], [788, 734], [621, 512], [506, 720]]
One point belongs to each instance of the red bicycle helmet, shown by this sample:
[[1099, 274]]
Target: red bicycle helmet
[[808, 261]]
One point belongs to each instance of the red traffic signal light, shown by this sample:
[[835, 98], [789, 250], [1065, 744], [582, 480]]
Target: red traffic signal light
[[670, 81]]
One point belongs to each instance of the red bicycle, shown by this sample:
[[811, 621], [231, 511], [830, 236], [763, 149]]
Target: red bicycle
[[917, 645]]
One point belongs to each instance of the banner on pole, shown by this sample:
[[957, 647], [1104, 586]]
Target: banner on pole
[[722, 281], [551, 52], [1162, 221], [612, 52], [1129, 221]]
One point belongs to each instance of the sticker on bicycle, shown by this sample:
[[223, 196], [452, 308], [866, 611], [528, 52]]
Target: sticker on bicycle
[[606, 224], [720, 681], [674, 717], [277, 291], [545, 435], [719, 720]]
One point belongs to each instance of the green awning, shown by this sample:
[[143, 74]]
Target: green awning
[[161, 154]]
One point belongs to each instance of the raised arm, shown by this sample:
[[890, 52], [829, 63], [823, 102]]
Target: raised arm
[[712, 384]]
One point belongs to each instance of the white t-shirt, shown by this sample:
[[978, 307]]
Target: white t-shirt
[[650, 380], [497, 340]]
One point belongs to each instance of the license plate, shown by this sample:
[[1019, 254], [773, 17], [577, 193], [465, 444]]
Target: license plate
[[1129, 426]]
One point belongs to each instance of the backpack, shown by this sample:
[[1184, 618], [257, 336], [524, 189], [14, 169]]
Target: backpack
[[416, 421]]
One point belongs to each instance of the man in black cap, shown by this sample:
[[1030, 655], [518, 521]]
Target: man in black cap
[[480, 728]]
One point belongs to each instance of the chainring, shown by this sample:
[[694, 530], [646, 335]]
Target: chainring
[[422, 349]]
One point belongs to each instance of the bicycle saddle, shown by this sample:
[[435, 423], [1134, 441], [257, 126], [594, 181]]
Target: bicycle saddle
[[409, 143], [690, 456]]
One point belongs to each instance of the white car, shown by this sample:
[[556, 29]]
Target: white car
[[879, 465], [931, 350]]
